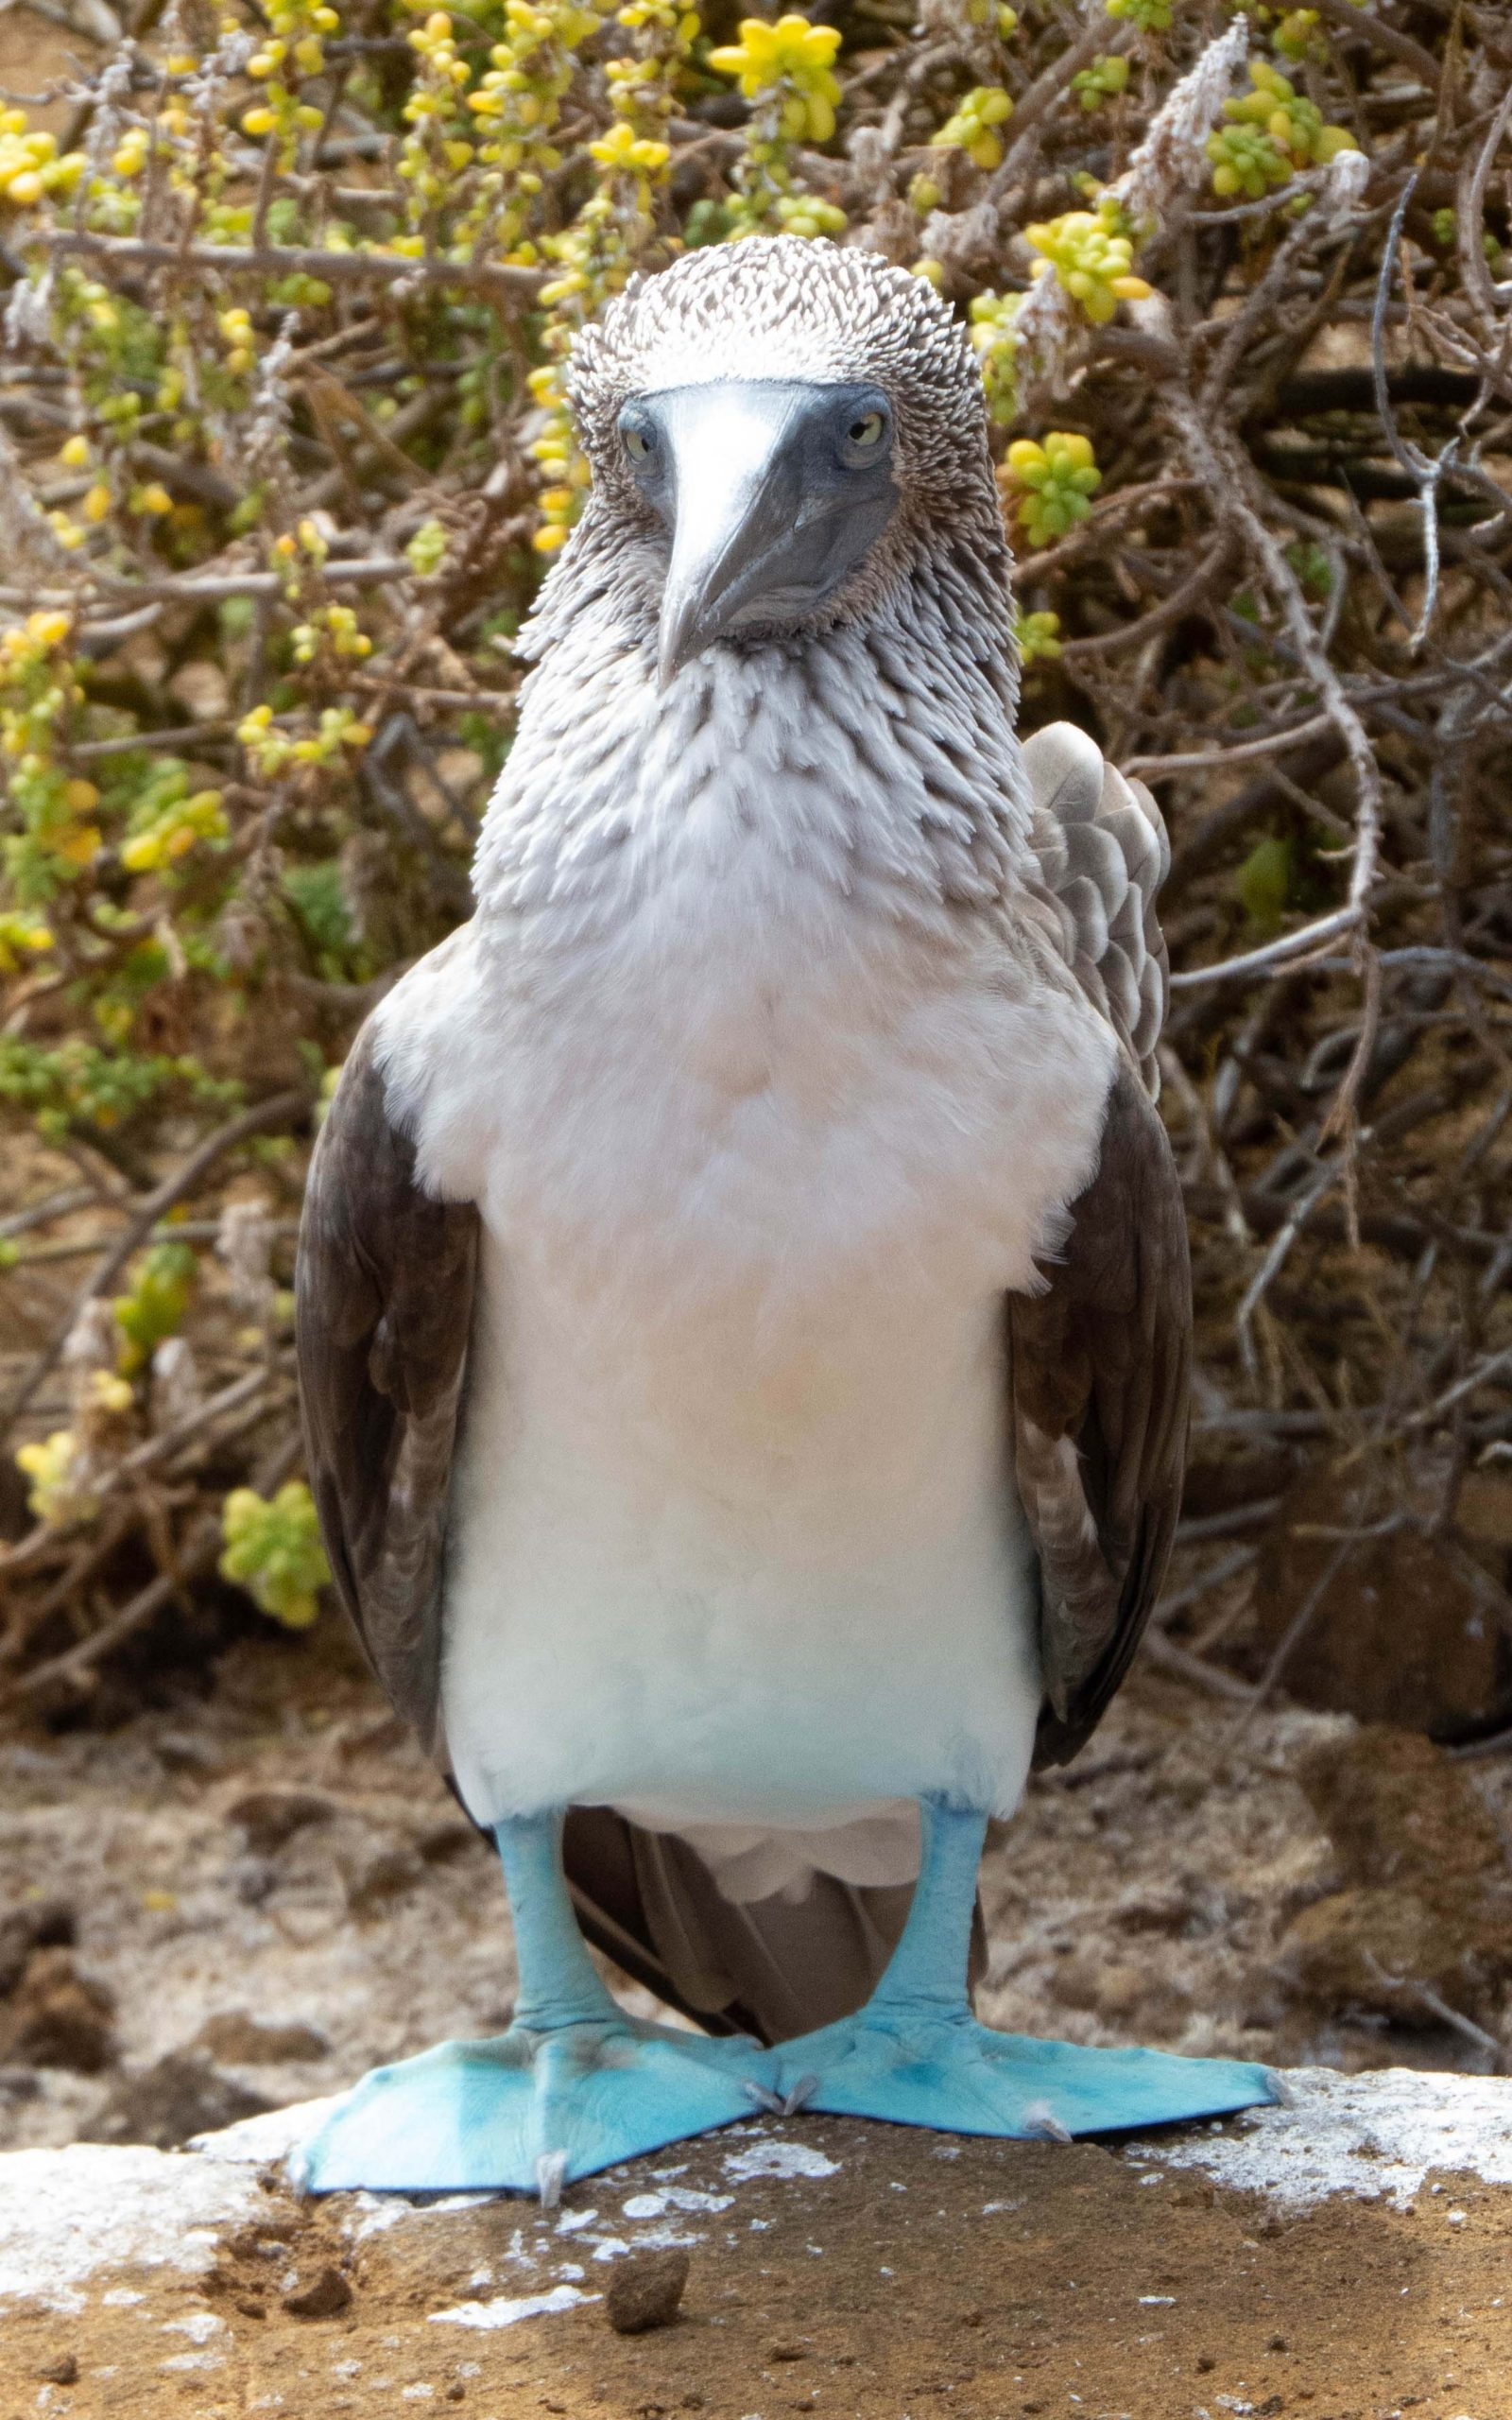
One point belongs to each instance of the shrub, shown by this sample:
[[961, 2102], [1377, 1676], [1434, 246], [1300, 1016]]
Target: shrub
[[290, 289]]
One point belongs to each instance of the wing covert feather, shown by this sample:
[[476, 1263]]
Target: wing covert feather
[[384, 1290]]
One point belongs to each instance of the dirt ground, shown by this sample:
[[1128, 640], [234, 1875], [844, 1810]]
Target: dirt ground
[[40, 53], [907, 2277], [269, 1878]]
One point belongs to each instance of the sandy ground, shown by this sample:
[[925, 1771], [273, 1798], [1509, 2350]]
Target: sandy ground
[[279, 1852], [265, 1874], [833, 2267]]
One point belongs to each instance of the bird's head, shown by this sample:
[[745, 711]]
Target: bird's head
[[776, 429]]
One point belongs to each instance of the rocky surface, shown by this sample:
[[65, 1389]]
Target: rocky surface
[[1343, 2256], [250, 1896], [268, 1887]]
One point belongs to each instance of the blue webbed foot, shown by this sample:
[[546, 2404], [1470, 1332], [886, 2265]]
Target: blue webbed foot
[[915, 2065], [531, 2111], [575, 2086], [916, 2056]]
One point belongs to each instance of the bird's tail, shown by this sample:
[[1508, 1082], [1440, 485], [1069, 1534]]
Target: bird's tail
[[772, 1968]]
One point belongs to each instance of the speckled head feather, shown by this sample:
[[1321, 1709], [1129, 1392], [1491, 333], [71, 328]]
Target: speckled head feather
[[782, 307], [779, 306]]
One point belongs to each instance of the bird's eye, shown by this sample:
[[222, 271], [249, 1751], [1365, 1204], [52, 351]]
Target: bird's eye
[[867, 432], [638, 446]]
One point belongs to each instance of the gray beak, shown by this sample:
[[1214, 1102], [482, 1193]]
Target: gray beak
[[771, 492]]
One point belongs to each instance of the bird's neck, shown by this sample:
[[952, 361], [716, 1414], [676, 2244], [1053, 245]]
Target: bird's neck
[[876, 759]]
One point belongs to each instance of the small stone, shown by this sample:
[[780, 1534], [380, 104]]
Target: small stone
[[63, 2372], [250, 2307], [325, 2298], [1276, 2344], [238, 2040], [381, 1875], [48, 1923], [439, 1842], [179, 2095], [58, 2017], [644, 2291], [185, 1751], [789, 2353], [270, 1817], [456, 2392], [254, 1879], [1206, 2361]]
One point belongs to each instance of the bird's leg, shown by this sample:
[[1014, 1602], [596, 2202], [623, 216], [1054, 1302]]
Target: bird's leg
[[574, 2086], [915, 2055]]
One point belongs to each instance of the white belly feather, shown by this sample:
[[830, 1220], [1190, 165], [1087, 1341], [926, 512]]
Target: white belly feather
[[734, 1540]]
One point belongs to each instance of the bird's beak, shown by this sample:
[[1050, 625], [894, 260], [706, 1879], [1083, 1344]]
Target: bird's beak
[[767, 517]]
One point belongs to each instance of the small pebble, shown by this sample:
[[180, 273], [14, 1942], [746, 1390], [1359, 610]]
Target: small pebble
[[63, 2372], [644, 2291], [329, 2295]]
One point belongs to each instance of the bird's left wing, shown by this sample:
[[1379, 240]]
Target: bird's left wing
[[1098, 1372], [383, 1310]]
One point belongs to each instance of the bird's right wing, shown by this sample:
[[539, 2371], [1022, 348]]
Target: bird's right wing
[[1101, 843], [384, 1310]]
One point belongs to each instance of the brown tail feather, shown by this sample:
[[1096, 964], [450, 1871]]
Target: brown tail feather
[[770, 1967]]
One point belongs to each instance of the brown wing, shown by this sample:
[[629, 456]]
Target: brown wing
[[384, 1306], [1098, 1372]]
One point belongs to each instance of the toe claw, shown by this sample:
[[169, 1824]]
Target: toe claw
[[551, 2171], [1042, 2124], [760, 2096], [801, 2094]]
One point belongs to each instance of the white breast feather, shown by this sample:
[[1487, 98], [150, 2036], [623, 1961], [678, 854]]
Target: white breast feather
[[763, 1118]]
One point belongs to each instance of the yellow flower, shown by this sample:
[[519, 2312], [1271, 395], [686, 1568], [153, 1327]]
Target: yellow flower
[[1058, 477], [47, 1466], [1092, 257], [80, 847], [793, 54], [622, 149], [974, 126]]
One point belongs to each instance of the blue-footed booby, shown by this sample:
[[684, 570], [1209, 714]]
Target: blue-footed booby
[[744, 1309]]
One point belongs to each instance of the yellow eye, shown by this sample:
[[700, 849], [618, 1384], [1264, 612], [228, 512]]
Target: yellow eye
[[867, 431], [638, 446]]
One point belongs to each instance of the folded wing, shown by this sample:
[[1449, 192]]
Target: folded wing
[[385, 1307], [1099, 1363]]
